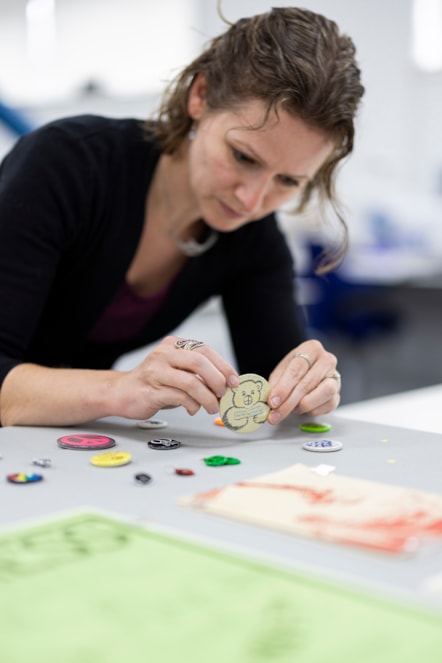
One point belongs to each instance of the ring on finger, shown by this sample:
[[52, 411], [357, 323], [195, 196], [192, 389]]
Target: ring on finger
[[188, 343], [305, 356], [335, 376]]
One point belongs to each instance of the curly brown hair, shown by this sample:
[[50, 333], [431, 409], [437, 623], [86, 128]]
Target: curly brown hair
[[289, 58]]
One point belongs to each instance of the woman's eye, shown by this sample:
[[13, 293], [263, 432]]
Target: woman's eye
[[288, 181], [242, 158]]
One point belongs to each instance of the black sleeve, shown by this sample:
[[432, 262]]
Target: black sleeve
[[44, 190], [260, 304]]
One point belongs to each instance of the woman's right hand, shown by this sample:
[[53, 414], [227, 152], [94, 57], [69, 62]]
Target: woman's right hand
[[33, 395], [172, 376]]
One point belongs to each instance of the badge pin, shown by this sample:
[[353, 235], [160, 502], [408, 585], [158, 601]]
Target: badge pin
[[244, 408], [111, 459], [184, 472], [21, 478], [86, 441], [164, 443], [142, 478], [315, 427], [217, 461], [151, 424], [323, 445], [42, 462]]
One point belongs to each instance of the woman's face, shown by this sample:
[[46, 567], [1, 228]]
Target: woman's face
[[238, 173]]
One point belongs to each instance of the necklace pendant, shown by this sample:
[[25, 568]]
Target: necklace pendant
[[192, 248]]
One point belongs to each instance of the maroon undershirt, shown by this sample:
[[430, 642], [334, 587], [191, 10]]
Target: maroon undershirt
[[126, 315]]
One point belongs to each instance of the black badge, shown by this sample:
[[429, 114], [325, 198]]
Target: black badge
[[164, 443], [142, 477]]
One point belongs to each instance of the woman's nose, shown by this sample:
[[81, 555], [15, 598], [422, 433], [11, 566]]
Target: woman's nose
[[251, 193]]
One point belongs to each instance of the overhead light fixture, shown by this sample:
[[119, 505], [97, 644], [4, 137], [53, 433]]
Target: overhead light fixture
[[427, 34], [39, 9]]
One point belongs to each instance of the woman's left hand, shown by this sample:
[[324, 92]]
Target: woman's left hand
[[305, 382]]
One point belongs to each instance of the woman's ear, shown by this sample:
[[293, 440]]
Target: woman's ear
[[196, 103]]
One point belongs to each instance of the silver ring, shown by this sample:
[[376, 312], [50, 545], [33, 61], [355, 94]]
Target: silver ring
[[305, 356], [188, 344], [335, 376]]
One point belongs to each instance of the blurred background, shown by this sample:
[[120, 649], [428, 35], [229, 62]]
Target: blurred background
[[381, 311]]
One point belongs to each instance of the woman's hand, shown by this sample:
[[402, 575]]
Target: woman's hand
[[305, 382], [191, 376]]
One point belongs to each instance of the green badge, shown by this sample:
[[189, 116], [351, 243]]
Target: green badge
[[315, 427], [216, 461]]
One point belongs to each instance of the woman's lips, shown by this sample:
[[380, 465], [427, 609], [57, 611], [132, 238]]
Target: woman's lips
[[229, 211]]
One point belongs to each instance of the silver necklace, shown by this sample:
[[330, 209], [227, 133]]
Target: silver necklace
[[192, 248]]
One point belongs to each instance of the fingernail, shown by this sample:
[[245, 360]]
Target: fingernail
[[275, 402], [233, 381], [274, 418]]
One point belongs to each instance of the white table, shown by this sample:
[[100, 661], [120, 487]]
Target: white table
[[72, 482], [419, 409]]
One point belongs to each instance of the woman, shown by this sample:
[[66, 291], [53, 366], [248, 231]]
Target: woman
[[113, 232]]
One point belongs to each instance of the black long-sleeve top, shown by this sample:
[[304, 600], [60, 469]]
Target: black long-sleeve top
[[72, 203]]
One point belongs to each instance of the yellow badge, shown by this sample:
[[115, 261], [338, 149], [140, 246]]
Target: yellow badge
[[244, 408], [111, 459]]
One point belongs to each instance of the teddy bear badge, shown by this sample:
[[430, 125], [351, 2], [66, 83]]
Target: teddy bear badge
[[244, 408]]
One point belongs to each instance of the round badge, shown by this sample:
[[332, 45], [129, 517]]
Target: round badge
[[152, 423], [142, 478], [184, 472], [86, 441], [111, 459], [164, 443], [217, 461], [244, 408], [24, 478], [315, 427], [42, 462], [323, 445]]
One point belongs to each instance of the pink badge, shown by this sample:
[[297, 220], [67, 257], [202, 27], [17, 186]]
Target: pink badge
[[85, 441]]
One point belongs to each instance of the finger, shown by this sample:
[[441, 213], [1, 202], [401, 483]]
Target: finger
[[291, 396], [160, 384], [298, 379], [314, 394], [163, 379], [324, 398], [304, 356], [313, 404], [323, 408], [187, 369], [196, 371], [147, 402], [205, 362], [197, 388], [222, 364]]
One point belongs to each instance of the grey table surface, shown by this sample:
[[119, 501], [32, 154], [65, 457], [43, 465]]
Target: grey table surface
[[72, 482]]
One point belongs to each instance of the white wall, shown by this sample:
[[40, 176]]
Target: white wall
[[48, 48], [399, 140], [131, 46]]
